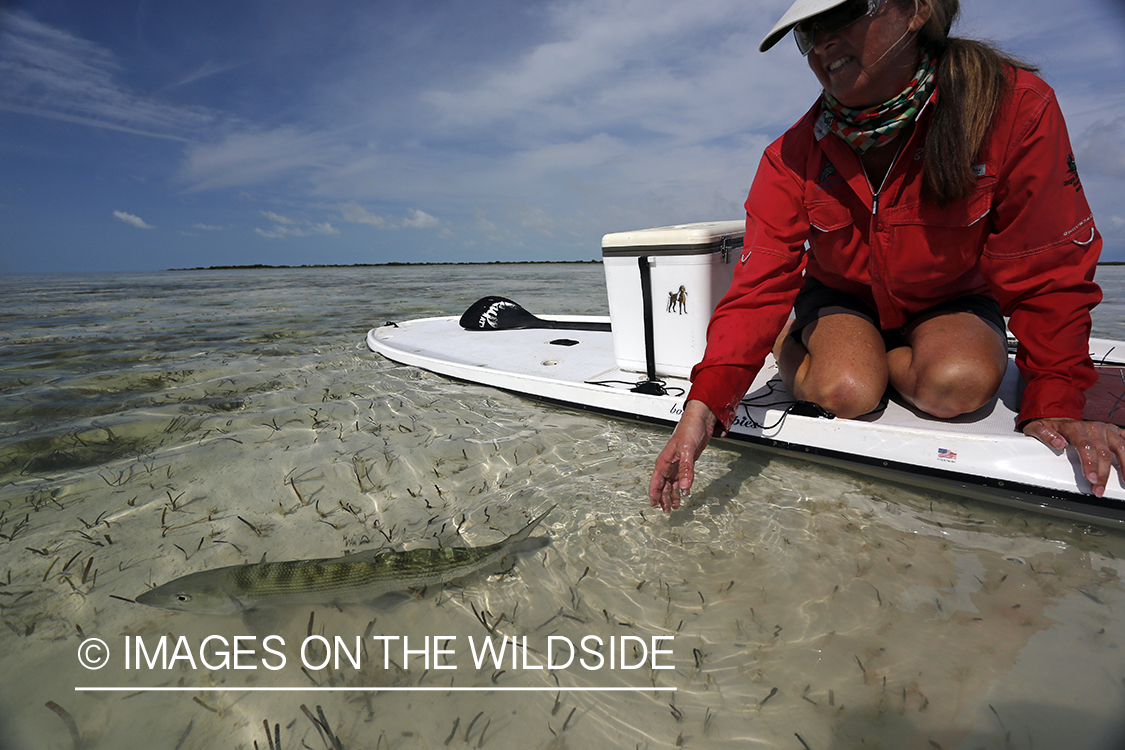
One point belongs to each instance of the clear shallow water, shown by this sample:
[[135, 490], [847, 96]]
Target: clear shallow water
[[153, 425]]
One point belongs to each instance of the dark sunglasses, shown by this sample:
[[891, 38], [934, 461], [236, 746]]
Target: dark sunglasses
[[832, 21]]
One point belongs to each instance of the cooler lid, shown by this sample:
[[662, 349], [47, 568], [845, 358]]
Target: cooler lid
[[681, 239]]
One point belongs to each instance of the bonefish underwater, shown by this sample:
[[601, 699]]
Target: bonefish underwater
[[360, 577]]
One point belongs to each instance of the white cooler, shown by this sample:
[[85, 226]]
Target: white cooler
[[688, 268]]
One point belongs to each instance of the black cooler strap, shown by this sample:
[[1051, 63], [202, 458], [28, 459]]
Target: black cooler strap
[[652, 386]]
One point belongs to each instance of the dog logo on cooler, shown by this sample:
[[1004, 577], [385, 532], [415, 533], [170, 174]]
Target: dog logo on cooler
[[678, 300]]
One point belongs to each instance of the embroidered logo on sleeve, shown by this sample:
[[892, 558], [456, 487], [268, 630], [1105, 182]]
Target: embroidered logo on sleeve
[[1072, 172]]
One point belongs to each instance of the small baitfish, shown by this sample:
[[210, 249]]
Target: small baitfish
[[360, 577]]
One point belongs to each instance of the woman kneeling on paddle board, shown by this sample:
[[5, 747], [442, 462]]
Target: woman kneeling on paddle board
[[936, 189]]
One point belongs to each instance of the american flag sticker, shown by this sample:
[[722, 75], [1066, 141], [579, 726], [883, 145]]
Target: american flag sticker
[[944, 454]]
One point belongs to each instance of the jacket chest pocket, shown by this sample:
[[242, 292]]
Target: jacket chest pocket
[[932, 244], [836, 243], [828, 217]]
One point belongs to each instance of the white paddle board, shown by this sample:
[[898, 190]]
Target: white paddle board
[[979, 454]]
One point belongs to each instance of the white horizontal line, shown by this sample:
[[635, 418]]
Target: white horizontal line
[[370, 689]]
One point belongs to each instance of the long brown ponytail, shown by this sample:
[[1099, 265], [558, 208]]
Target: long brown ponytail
[[973, 78]]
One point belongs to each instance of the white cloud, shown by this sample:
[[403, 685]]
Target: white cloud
[[629, 112], [285, 226], [207, 227], [132, 220], [208, 69], [258, 157], [655, 62], [650, 112], [48, 72], [278, 218], [280, 231], [494, 232], [415, 218], [419, 219], [357, 214]]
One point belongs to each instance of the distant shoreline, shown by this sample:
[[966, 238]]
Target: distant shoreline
[[257, 266]]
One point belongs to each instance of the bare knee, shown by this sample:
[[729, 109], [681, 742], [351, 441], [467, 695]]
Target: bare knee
[[954, 387], [847, 396], [841, 365]]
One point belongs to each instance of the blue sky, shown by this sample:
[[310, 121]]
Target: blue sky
[[166, 133]]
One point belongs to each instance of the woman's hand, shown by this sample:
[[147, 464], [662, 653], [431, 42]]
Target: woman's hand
[[1097, 444], [675, 466]]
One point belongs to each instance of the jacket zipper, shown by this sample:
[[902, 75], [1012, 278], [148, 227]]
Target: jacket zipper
[[876, 193]]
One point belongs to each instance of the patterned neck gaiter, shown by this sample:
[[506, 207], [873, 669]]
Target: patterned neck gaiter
[[864, 129]]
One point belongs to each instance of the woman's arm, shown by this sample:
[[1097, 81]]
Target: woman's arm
[[675, 466], [1040, 263]]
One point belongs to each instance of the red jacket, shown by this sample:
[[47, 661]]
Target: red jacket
[[1026, 236]]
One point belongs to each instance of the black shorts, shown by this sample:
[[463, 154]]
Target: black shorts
[[816, 300]]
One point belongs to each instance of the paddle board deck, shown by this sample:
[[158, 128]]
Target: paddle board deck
[[979, 454]]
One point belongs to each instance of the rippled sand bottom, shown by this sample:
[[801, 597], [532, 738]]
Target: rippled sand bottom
[[805, 607]]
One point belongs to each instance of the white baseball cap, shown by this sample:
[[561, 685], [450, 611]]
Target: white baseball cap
[[799, 11]]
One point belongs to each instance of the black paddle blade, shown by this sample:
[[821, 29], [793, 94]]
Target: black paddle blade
[[498, 314], [501, 314]]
